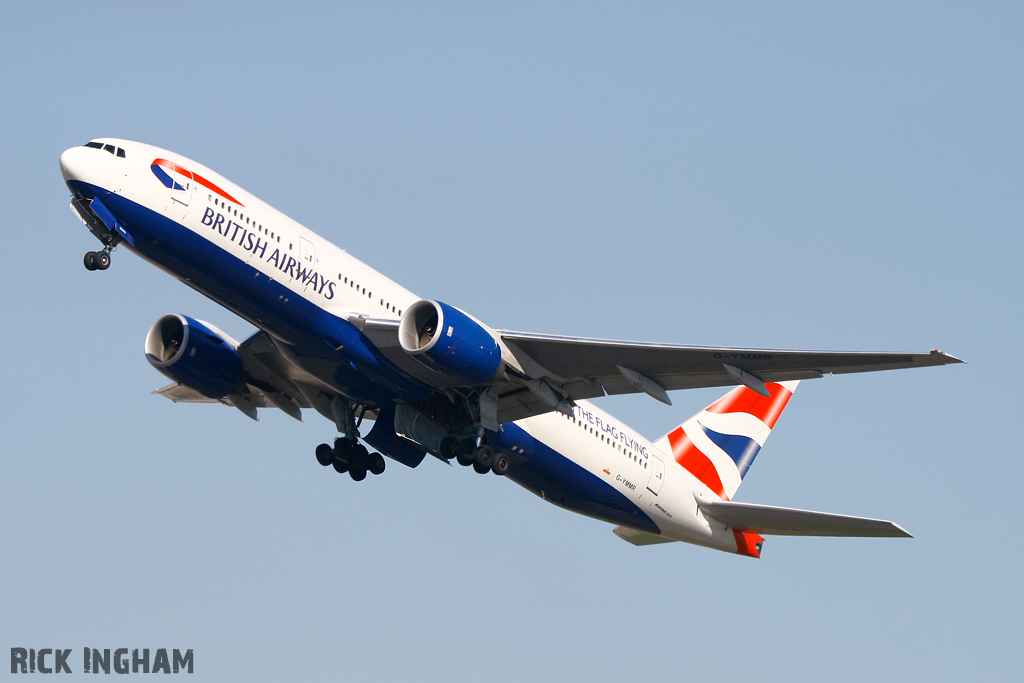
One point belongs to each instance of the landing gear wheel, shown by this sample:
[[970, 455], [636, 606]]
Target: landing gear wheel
[[342, 448], [324, 454], [449, 447], [102, 260], [377, 464], [360, 457], [484, 456], [467, 447], [481, 469], [501, 464], [90, 260], [342, 455]]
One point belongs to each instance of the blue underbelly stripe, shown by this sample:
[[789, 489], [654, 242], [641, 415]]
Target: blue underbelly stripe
[[567, 484]]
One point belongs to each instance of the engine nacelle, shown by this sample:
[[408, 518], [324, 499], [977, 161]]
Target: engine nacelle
[[447, 340], [191, 353]]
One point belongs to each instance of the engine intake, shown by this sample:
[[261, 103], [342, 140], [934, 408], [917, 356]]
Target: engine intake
[[194, 354], [450, 342]]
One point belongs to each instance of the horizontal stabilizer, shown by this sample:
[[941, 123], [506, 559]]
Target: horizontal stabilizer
[[639, 537], [776, 521]]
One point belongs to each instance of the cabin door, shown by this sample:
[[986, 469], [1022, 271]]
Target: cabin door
[[657, 475]]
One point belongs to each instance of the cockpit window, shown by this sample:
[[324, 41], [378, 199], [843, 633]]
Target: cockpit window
[[117, 151]]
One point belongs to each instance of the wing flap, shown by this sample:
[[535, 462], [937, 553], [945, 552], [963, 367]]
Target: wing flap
[[779, 521]]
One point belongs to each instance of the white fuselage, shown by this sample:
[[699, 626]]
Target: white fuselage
[[590, 462]]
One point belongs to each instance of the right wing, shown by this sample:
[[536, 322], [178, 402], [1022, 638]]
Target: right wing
[[578, 368], [554, 371], [673, 366]]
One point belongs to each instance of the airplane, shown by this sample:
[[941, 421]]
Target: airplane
[[336, 336]]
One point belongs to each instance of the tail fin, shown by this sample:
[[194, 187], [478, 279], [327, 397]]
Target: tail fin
[[718, 444]]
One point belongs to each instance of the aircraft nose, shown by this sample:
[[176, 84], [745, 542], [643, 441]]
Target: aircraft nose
[[72, 163]]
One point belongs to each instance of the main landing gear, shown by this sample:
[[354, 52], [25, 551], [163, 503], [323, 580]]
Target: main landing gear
[[97, 260], [483, 457], [350, 456]]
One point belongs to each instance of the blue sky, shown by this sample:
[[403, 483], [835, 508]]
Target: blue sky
[[786, 175]]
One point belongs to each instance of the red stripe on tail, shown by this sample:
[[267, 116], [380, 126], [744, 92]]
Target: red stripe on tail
[[743, 400], [695, 462]]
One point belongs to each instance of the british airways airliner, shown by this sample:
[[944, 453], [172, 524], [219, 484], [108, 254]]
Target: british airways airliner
[[338, 337]]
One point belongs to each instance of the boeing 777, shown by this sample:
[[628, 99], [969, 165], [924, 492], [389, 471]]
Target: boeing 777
[[336, 336]]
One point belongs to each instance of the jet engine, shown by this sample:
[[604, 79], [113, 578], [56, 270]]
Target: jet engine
[[450, 342], [194, 354]]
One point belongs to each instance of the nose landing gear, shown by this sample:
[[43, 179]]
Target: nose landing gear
[[97, 260]]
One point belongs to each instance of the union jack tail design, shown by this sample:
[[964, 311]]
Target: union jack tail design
[[718, 444]]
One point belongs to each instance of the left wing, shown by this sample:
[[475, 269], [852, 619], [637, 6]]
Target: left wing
[[246, 401], [267, 383]]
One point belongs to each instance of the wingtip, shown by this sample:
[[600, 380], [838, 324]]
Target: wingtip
[[902, 533], [947, 359]]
